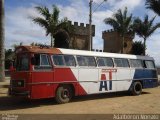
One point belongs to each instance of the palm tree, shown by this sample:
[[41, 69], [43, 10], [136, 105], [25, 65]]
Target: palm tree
[[137, 48], [121, 23], [145, 28], [153, 5], [2, 50], [50, 21]]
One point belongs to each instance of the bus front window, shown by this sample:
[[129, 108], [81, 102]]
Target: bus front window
[[22, 63]]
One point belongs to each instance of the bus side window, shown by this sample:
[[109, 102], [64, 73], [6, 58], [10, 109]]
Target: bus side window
[[136, 63], [90, 61], [69, 60], [100, 62], [107, 62], [58, 60], [120, 62], [81, 61], [44, 60], [41, 62], [149, 64]]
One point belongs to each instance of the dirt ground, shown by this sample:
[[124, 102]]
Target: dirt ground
[[114, 103]]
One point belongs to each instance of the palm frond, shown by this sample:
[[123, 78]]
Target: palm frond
[[152, 30], [119, 17], [55, 14], [65, 24], [145, 28], [42, 22], [151, 21], [125, 13], [128, 21], [112, 22], [153, 5], [44, 11]]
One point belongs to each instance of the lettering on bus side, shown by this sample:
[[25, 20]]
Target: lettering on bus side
[[103, 82]]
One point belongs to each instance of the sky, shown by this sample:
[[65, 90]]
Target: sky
[[20, 28]]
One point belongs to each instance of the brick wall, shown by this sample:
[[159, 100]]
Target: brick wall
[[113, 41]]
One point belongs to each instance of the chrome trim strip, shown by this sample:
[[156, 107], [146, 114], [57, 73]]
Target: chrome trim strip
[[88, 81]]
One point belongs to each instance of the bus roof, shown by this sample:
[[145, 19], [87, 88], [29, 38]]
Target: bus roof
[[38, 49]]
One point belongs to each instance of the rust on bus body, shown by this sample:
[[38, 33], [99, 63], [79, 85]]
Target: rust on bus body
[[37, 49]]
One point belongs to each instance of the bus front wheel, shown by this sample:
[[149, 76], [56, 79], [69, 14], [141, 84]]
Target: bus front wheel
[[63, 94], [136, 88]]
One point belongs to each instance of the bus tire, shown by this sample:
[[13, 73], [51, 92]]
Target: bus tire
[[136, 88], [63, 94]]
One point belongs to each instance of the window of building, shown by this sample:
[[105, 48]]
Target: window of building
[[121, 62]]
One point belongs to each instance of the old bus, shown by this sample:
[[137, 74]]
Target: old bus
[[42, 72]]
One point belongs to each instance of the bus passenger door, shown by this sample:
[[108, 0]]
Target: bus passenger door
[[124, 80], [88, 79], [123, 74], [88, 74], [42, 77]]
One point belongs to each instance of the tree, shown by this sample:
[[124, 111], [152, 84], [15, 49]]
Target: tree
[[17, 45], [137, 48], [153, 5], [50, 21], [8, 57], [145, 28], [121, 23], [2, 50]]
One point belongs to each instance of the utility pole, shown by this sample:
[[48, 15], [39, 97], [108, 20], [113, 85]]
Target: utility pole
[[2, 51], [90, 22], [90, 25]]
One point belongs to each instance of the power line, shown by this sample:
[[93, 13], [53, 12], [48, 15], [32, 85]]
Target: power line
[[90, 21], [99, 6]]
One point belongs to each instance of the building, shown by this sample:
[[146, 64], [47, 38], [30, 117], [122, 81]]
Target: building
[[79, 38], [113, 42]]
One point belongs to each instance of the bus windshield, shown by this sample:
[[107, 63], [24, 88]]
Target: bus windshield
[[22, 62]]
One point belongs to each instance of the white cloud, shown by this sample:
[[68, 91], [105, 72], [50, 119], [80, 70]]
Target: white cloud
[[153, 48], [120, 4], [20, 28], [77, 11]]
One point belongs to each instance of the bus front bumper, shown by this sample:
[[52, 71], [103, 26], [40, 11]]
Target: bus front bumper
[[18, 93]]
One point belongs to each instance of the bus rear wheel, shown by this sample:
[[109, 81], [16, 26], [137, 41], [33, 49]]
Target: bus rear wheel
[[63, 94], [136, 88]]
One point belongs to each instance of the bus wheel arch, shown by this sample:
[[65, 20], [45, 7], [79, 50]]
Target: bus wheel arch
[[136, 88], [64, 93]]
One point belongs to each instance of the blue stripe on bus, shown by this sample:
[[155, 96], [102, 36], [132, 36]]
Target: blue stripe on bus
[[144, 73], [141, 74]]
